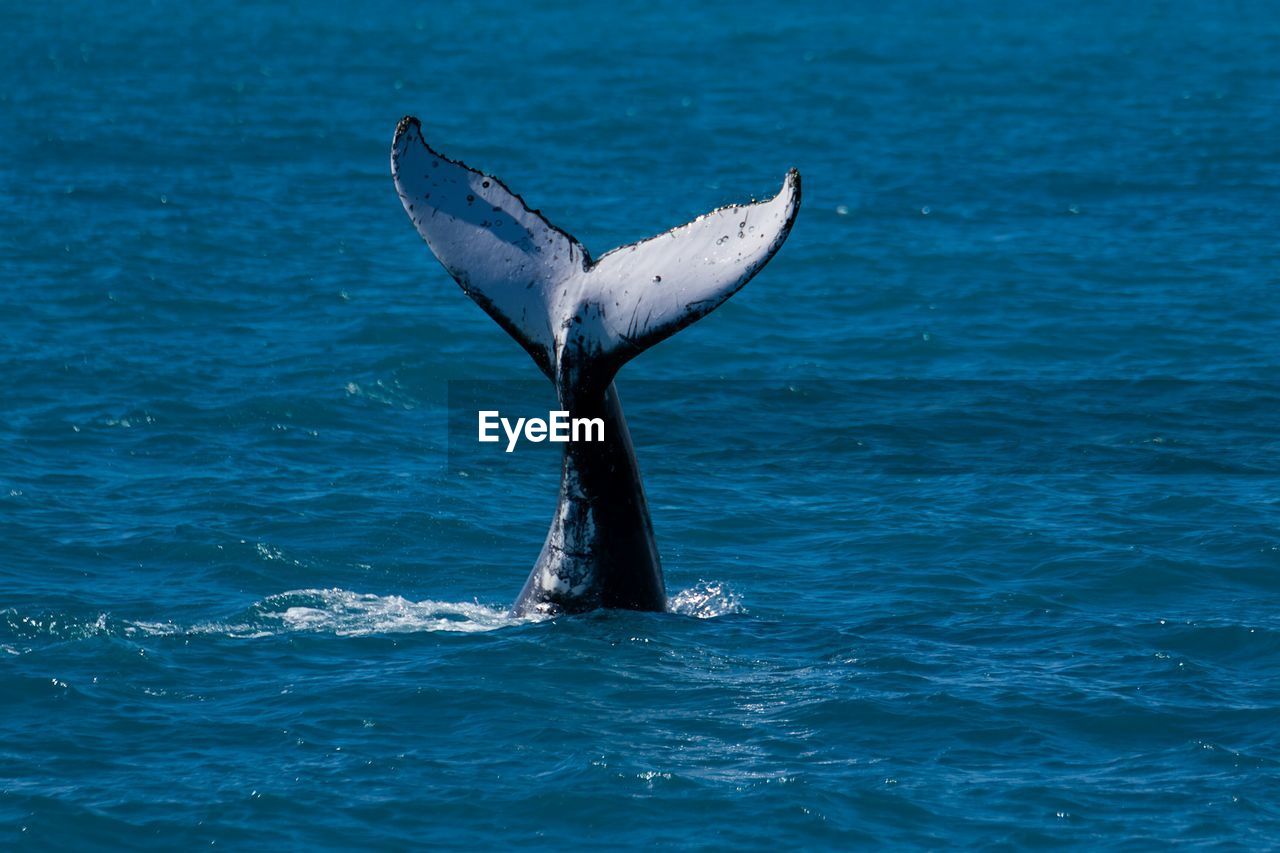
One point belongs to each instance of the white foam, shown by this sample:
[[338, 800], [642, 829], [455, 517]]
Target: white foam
[[344, 613], [706, 600], [353, 614]]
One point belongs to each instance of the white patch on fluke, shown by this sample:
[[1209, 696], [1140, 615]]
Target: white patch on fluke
[[541, 284]]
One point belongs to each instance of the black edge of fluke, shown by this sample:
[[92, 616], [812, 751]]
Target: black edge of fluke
[[405, 124], [412, 122]]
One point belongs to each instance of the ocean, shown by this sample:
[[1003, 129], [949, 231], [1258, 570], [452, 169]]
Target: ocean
[[967, 503]]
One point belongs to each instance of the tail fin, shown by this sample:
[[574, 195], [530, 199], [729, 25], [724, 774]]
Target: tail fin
[[580, 319]]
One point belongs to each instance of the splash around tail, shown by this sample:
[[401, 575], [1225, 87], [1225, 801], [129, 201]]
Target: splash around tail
[[581, 319]]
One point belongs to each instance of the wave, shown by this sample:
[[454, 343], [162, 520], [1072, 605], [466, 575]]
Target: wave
[[344, 613], [338, 612]]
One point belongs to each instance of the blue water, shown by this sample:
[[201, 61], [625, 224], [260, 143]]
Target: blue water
[[968, 503]]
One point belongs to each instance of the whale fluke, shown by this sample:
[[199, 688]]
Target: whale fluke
[[580, 319]]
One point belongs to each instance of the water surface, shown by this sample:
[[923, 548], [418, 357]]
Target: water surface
[[968, 503]]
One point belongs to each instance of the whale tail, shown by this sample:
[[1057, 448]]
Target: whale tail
[[580, 319]]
